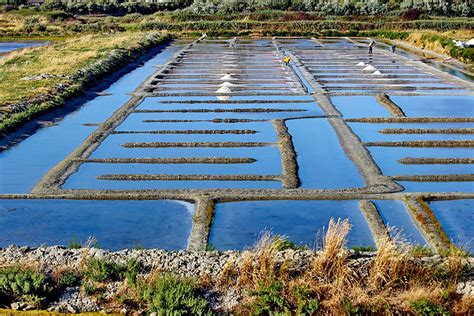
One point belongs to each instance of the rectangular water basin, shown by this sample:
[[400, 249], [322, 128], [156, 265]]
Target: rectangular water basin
[[238, 225], [359, 106], [399, 222], [115, 224], [322, 163], [436, 106], [457, 219]]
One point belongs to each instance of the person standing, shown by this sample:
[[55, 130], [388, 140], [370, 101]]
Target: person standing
[[371, 46]]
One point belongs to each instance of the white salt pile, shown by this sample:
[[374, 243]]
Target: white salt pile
[[370, 68], [227, 84], [378, 73], [361, 64], [223, 90]]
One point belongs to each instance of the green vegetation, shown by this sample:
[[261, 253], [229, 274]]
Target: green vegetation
[[281, 243], [100, 270], [67, 278], [73, 65], [267, 283], [74, 244], [363, 248], [421, 251], [23, 284], [428, 308], [167, 294]]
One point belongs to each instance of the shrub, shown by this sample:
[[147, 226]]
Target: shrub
[[74, 244], [269, 300], [24, 284], [58, 15], [363, 248], [32, 24], [427, 308], [67, 278], [170, 295], [52, 5], [411, 14], [100, 270]]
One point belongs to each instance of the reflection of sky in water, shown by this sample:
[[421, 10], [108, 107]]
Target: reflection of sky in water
[[115, 224], [387, 159], [49, 145], [436, 106], [9, 46], [457, 219], [369, 132], [322, 163], [396, 218], [238, 225]]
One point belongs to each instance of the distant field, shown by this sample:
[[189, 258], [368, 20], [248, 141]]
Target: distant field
[[37, 75]]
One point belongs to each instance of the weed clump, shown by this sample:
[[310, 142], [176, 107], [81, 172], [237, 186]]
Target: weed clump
[[25, 285], [167, 294], [335, 280]]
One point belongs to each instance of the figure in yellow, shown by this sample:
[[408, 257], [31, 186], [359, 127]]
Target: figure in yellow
[[286, 60]]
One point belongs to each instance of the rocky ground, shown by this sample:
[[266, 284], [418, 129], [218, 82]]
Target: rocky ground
[[203, 264]]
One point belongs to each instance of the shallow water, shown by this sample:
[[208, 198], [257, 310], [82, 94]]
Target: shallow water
[[238, 225], [387, 159], [359, 106], [264, 130], [398, 220], [165, 185], [457, 219], [321, 160], [437, 186], [369, 132], [52, 144], [436, 106], [9, 46], [115, 224]]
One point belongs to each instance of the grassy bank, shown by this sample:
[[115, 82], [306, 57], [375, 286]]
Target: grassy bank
[[274, 277], [67, 67]]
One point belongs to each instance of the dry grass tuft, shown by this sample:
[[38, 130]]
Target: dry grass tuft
[[393, 280]]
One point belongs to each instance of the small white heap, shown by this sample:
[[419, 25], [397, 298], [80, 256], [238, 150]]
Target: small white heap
[[223, 90], [370, 68], [227, 84]]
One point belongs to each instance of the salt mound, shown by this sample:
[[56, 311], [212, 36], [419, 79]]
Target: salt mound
[[377, 73], [227, 84], [370, 68], [223, 90], [361, 64]]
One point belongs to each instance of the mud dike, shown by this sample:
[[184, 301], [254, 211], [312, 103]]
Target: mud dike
[[228, 121]]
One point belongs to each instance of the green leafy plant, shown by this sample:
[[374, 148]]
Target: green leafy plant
[[24, 284], [170, 295], [67, 279], [421, 251], [269, 299], [132, 269], [427, 308], [89, 287], [351, 309], [100, 270], [307, 305], [74, 244], [363, 248]]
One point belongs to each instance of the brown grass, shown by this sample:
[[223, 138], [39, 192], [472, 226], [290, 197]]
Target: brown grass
[[63, 58], [386, 283]]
